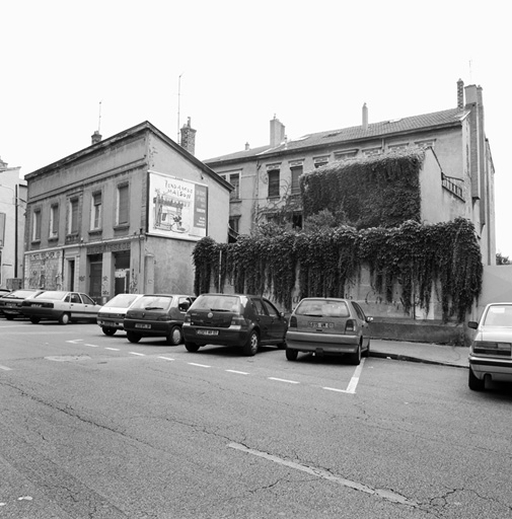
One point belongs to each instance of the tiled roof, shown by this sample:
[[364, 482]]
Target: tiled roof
[[395, 126]]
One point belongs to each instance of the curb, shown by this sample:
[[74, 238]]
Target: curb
[[406, 358]]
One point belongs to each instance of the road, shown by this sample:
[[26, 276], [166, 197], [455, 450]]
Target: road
[[96, 427]]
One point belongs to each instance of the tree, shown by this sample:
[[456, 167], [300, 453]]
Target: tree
[[502, 260]]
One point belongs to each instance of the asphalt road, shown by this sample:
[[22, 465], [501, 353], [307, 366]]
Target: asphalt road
[[96, 427]]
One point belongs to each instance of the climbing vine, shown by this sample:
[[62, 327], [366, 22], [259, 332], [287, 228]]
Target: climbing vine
[[415, 257]]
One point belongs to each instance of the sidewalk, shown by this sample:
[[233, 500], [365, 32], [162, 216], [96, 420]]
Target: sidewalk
[[456, 356]]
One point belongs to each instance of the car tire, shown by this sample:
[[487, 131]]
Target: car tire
[[474, 383], [175, 337], [192, 347], [35, 320], [291, 354], [355, 358], [9, 317], [64, 318], [133, 337], [108, 331], [252, 345], [366, 352], [281, 345]]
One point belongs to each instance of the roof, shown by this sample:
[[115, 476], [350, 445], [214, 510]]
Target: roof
[[434, 120]]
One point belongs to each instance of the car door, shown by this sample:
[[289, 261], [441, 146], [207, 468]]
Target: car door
[[262, 318], [76, 306], [363, 323], [277, 326], [89, 307]]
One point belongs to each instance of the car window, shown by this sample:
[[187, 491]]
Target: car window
[[75, 298], [359, 311], [321, 308], [87, 300], [122, 300], [258, 306], [499, 315], [271, 309], [184, 303], [222, 303], [153, 302]]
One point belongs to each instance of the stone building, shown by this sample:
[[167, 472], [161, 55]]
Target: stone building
[[122, 215]]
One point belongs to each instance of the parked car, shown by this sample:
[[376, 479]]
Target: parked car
[[10, 304], [328, 326], [490, 353], [233, 320], [57, 305], [157, 315], [111, 315]]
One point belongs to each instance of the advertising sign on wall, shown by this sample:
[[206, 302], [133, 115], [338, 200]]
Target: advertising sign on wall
[[178, 208]]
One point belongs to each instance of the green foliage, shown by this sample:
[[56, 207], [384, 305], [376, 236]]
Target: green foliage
[[415, 257], [375, 191], [502, 260]]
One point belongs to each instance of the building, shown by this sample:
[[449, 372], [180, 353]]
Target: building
[[266, 179], [122, 215], [13, 193]]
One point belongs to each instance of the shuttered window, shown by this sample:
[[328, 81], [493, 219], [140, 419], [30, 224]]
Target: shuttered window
[[273, 183], [54, 221], [73, 216], [296, 173], [123, 205]]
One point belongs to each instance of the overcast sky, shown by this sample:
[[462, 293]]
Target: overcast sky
[[311, 64]]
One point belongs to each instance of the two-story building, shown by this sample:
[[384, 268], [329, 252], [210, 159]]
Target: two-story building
[[123, 215], [266, 179]]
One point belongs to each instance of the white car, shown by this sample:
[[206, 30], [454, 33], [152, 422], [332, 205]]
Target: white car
[[112, 313], [60, 306], [490, 354]]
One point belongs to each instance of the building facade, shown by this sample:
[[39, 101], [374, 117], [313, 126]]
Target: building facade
[[266, 179], [122, 215], [13, 194]]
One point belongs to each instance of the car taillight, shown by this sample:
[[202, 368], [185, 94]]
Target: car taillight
[[350, 326], [293, 322], [237, 320], [492, 348], [188, 319]]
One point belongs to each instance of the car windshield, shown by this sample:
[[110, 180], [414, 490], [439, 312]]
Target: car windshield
[[122, 300], [218, 303], [498, 315], [153, 302], [52, 295], [322, 308]]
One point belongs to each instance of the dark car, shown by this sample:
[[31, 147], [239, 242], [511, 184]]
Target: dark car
[[328, 326], [10, 304], [157, 315], [62, 306], [490, 353], [234, 320]]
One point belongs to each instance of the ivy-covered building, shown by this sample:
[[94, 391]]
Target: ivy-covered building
[[457, 178]]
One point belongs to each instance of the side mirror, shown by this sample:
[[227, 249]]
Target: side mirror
[[369, 318], [473, 324], [183, 307]]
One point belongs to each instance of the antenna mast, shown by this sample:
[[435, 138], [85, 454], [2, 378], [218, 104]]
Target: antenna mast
[[99, 119], [179, 101]]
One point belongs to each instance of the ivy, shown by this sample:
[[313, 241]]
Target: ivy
[[414, 257]]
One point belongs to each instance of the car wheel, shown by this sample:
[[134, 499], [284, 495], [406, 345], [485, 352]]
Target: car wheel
[[355, 358], [64, 319], [108, 331], [34, 320], [366, 352], [281, 345], [174, 338], [291, 354], [474, 383], [133, 337], [9, 317], [253, 343], [191, 346]]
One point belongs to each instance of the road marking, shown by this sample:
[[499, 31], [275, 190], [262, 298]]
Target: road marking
[[112, 349], [283, 380], [91, 345], [5, 368], [139, 354], [388, 495], [165, 358], [237, 372], [75, 341], [355, 378], [334, 389], [199, 365]]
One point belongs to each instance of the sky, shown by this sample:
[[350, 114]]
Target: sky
[[69, 68]]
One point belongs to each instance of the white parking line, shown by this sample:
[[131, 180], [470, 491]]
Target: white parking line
[[237, 372], [199, 365], [113, 349], [91, 345], [351, 388], [165, 358], [283, 380], [5, 368], [139, 354]]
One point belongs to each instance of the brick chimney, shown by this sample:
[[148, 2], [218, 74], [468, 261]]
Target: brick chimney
[[365, 117], [188, 137], [276, 132], [95, 137], [460, 94]]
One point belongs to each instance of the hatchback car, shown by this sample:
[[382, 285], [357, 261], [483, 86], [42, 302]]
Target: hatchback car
[[234, 320], [328, 326], [10, 304], [60, 306], [157, 315], [490, 353], [111, 315]]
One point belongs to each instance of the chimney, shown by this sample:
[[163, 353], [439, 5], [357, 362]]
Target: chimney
[[95, 137], [365, 117], [188, 137], [247, 146], [276, 132], [460, 94]]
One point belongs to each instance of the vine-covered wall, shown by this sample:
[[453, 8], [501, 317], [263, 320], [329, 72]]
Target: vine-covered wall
[[442, 258]]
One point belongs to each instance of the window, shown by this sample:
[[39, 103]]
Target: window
[[234, 180], [296, 173], [273, 183], [54, 221], [234, 222], [343, 155], [36, 225], [370, 152], [123, 205], [73, 216], [320, 161], [96, 211]]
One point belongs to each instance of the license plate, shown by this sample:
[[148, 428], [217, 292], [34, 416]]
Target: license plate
[[143, 326], [207, 332], [36, 306], [320, 325]]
